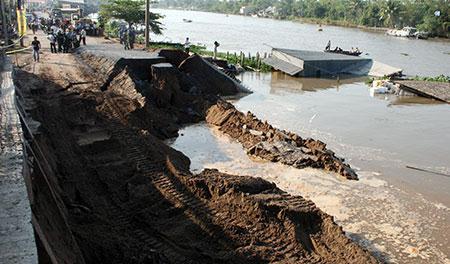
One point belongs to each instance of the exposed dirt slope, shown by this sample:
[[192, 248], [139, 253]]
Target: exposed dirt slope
[[262, 140], [110, 191]]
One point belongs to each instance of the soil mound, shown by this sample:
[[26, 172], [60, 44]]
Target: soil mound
[[262, 140]]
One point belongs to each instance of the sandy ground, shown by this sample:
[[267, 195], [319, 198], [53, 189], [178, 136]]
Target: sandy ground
[[16, 233]]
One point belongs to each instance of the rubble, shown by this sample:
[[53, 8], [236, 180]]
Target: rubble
[[262, 140], [208, 79]]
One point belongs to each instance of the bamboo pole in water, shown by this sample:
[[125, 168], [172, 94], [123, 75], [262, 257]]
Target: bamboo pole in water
[[258, 61]]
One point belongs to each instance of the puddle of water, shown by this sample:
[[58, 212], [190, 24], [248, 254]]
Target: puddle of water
[[398, 226]]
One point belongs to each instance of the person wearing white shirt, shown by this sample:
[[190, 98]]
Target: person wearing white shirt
[[52, 38], [187, 45], [83, 36]]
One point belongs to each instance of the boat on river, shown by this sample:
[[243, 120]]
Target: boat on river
[[405, 32], [408, 32], [187, 20], [345, 52]]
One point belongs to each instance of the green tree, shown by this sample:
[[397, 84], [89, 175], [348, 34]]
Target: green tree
[[389, 12], [132, 11], [376, 13]]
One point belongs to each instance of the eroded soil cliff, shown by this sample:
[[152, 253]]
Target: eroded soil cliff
[[106, 189]]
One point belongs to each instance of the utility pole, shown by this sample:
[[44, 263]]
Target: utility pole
[[4, 25], [147, 23], [19, 8]]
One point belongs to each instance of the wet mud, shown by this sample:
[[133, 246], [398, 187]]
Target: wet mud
[[105, 188], [260, 139]]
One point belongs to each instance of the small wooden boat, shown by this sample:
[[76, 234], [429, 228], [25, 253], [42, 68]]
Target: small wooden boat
[[187, 20], [345, 52]]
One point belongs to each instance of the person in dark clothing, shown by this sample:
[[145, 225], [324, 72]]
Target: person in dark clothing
[[126, 40], [36, 45], [216, 45], [328, 47], [60, 40], [131, 37], [67, 42]]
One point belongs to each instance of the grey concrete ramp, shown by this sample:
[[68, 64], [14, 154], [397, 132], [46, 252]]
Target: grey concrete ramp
[[17, 244], [436, 90]]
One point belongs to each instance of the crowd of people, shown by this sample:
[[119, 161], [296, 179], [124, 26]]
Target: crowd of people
[[127, 36], [62, 35]]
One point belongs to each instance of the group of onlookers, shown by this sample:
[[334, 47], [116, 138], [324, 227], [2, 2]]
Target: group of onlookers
[[127, 37], [63, 38], [65, 41]]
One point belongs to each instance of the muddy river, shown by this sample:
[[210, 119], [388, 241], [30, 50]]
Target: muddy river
[[402, 215]]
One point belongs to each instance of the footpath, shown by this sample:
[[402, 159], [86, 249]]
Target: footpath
[[17, 243]]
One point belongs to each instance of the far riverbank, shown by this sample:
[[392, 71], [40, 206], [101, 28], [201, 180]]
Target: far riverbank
[[312, 21]]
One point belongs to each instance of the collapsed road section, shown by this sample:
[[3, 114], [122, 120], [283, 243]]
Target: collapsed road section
[[262, 140], [104, 188]]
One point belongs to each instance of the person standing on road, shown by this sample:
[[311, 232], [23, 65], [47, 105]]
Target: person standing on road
[[36, 45], [216, 45], [121, 34], [187, 45], [35, 25], [83, 36], [126, 39], [67, 43], [131, 37], [94, 27], [60, 39], [51, 37]]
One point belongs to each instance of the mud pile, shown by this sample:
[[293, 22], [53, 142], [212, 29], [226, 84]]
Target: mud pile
[[262, 140], [106, 189], [167, 97]]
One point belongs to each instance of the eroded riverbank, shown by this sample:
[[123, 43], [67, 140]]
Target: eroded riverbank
[[396, 225], [105, 188], [403, 215]]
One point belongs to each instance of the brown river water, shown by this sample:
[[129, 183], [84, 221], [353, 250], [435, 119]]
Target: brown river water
[[401, 215]]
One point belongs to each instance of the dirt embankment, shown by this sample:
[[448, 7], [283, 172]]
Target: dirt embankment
[[106, 189], [262, 140]]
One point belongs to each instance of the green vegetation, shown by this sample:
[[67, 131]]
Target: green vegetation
[[112, 29], [440, 78], [247, 62], [132, 11], [427, 15]]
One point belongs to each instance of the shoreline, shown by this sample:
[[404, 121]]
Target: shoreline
[[311, 21], [111, 172]]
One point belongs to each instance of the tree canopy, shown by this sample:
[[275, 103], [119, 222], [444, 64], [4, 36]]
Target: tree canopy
[[132, 11], [427, 15]]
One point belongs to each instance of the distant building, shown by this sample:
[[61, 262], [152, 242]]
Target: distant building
[[72, 3]]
